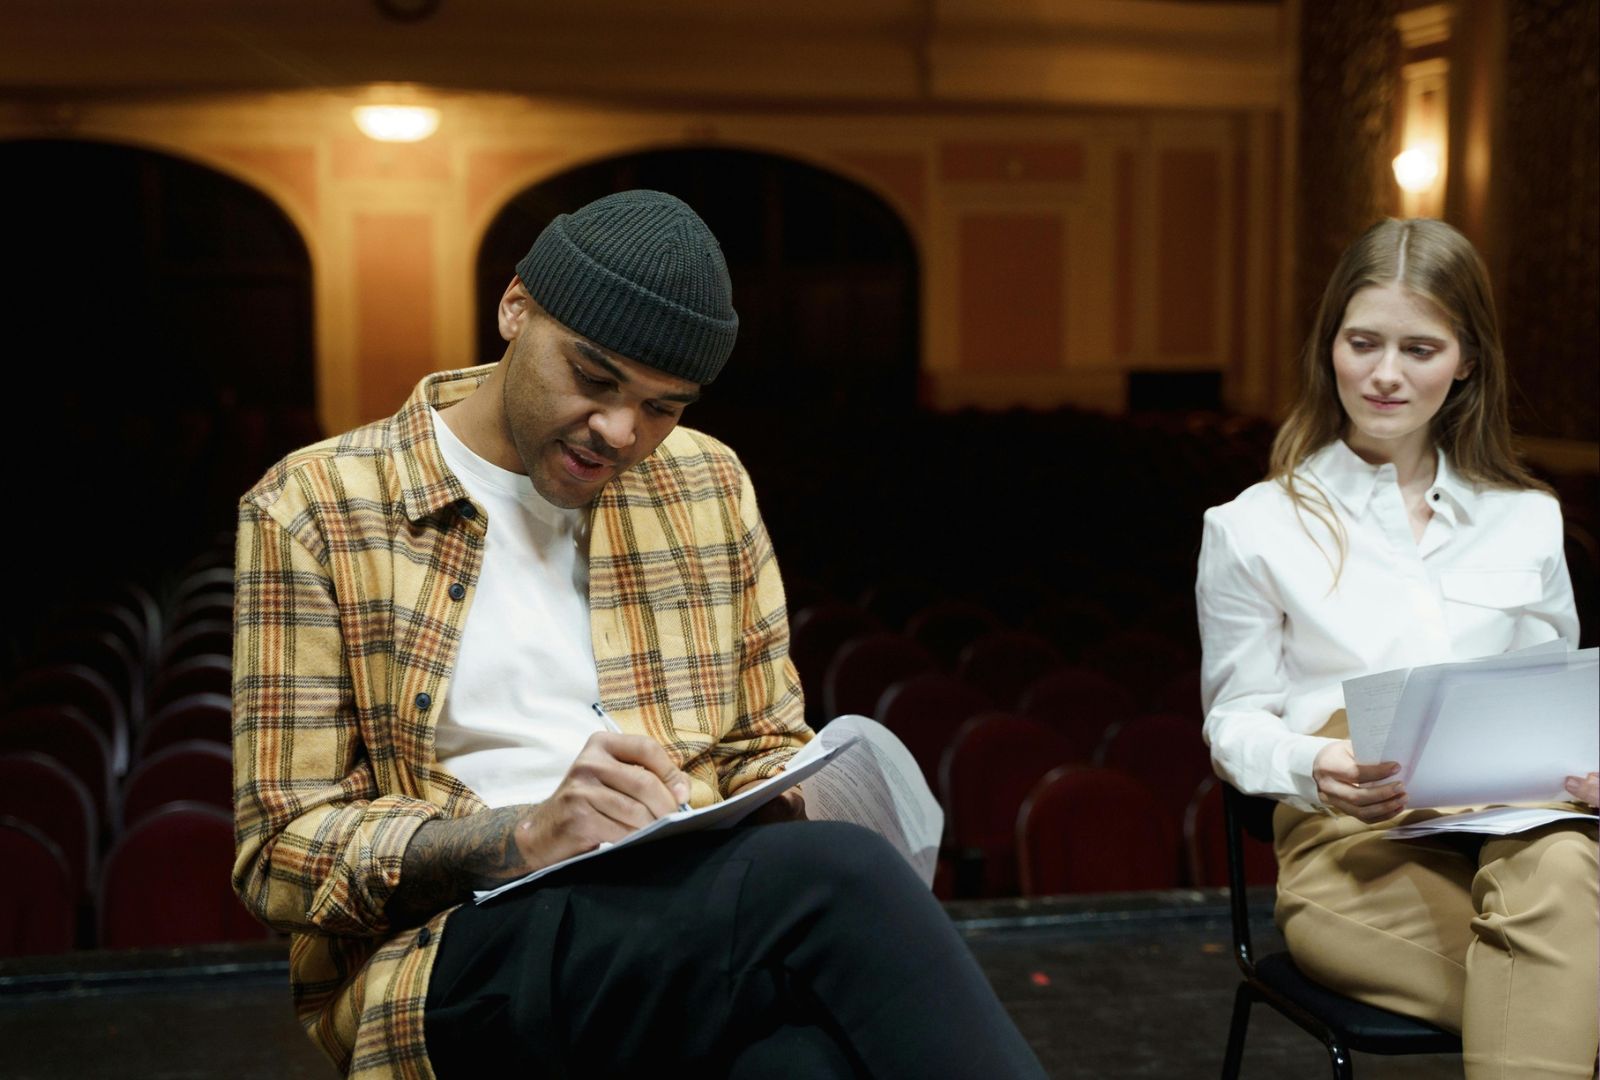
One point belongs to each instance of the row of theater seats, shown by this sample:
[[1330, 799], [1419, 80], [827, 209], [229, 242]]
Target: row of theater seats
[[988, 709], [116, 777]]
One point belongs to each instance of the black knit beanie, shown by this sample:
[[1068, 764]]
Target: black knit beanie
[[639, 273]]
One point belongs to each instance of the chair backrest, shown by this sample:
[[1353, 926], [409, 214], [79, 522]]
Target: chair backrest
[[105, 653], [206, 637], [895, 600], [1166, 752], [44, 793], [81, 688], [865, 667], [1141, 661], [985, 775], [949, 626], [206, 674], [215, 581], [1078, 702], [926, 710], [1072, 626], [38, 907], [1205, 842], [202, 607], [166, 881], [815, 636], [1084, 830], [64, 734], [198, 716], [1181, 696], [1004, 663], [195, 770]]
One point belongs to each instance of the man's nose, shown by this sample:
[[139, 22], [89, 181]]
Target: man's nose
[[616, 426]]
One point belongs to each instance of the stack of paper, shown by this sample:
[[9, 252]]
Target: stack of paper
[[1503, 729]]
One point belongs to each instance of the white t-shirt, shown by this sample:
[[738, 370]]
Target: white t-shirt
[[520, 702], [1489, 576]]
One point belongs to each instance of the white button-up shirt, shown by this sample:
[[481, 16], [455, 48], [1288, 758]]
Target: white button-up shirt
[[1279, 636]]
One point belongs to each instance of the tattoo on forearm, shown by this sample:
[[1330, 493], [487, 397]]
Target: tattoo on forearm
[[447, 859]]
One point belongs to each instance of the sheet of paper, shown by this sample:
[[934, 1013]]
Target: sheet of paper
[[1506, 736], [1372, 701], [725, 814], [878, 785], [855, 770], [1369, 705], [1495, 821]]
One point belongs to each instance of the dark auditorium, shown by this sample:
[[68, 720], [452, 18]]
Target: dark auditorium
[[1061, 536]]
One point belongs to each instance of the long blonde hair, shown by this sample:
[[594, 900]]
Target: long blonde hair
[[1436, 263]]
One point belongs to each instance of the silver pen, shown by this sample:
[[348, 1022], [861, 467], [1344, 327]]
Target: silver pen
[[611, 725]]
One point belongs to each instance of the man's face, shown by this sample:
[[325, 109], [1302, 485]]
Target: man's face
[[577, 413]]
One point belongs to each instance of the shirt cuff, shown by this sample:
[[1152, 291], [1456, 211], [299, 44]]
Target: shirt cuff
[[1302, 759]]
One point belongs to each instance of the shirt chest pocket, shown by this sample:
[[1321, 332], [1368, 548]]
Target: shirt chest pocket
[[1499, 589]]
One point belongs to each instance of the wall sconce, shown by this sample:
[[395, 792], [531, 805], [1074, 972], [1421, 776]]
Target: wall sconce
[[1416, 169], [396, 123]]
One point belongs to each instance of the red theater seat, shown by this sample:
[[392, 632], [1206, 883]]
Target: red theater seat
[[198, 716], [37, 906], [926, 710], [205, 674], [1004, 663], [1079, 703], [166, 882], [947, 627], [1093, 830], [207, 637], [987, 772], [865, 667], [1205, 842], [815, 636], [1164, 752], [63, 734], [44, 793], [196, 770], [81, 688]]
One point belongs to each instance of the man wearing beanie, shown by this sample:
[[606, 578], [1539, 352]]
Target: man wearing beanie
[[521, 618]]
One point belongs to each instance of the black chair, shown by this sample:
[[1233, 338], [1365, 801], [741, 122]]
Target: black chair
[[1343, 1024]]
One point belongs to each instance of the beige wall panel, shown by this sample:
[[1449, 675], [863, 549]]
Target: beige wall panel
[[1012, 314], [393, 293]]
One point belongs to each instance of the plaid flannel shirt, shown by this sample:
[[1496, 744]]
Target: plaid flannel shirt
[[345, 639]]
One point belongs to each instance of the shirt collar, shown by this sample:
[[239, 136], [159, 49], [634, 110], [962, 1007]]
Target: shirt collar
[[1338, 470], [1452, 486], [429, 485]]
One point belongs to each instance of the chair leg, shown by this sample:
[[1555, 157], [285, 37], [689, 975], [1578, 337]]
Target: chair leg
[[1339, 1057], [1231, 1060]]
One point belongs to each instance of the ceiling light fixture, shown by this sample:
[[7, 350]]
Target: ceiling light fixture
[[396, 123]]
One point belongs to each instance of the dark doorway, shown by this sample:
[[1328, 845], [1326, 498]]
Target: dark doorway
[[824, 278], [163, 312]]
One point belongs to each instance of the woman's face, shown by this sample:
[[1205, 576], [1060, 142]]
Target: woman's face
[[1394, 359]]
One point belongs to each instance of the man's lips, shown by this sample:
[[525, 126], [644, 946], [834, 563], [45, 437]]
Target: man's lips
[[584, 464]]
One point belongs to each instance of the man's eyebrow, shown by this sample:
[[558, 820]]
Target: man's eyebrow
[[595, 356]]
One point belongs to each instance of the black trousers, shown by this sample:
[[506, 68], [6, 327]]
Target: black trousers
[[804, 949]]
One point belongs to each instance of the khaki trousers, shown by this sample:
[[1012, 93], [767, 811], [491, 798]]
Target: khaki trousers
[[1497, 938]]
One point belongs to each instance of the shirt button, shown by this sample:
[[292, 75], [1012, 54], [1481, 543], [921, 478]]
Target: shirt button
[[1435, 496], [424, 699], [457, 591], [466, 509], [424, 936]]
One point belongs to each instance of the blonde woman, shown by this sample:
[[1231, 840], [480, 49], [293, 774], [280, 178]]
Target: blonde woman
[[1397, 528]]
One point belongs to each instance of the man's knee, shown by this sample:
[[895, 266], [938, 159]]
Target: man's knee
[[831, 859]]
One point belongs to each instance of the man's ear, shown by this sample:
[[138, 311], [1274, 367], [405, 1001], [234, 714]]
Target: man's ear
[[515, 309]]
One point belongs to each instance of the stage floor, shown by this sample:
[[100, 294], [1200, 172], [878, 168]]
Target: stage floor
[[1104, 987]]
